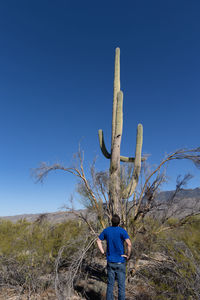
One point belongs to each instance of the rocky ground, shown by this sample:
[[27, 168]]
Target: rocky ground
[[93, 285]]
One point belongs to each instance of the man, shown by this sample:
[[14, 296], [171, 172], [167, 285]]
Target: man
[[115, 237]]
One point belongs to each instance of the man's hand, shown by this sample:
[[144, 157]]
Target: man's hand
[[99, 243], [126, 256]]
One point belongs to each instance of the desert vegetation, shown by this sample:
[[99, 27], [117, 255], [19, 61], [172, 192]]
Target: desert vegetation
[[37, 257], [28, 252]]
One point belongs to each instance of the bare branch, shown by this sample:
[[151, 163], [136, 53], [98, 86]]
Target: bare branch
[[191, 154]]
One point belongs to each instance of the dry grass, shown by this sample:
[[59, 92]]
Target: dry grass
[[12, 294]]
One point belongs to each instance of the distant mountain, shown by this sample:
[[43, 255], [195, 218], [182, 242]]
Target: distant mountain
[[182, 194], [187, 201], [55, 217]]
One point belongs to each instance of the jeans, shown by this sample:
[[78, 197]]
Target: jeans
[[118, 271]]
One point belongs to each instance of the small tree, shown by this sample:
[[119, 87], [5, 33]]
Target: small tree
[[95, 190]]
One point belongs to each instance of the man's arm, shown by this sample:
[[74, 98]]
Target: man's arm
[[128, 241], [129, 246], [99, 243]]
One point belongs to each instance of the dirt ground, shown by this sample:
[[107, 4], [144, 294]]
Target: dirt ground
[[11, 294]]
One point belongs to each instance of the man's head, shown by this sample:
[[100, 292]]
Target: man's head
[[115, 220]]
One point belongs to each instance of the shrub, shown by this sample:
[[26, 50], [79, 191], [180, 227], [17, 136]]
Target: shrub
[[28, 250]]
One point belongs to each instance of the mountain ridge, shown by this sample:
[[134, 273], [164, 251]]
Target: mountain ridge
[[185, 202]]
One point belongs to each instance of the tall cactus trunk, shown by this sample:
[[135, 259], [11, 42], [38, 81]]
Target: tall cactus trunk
[[114, 188], [115, 192], [114, 184]]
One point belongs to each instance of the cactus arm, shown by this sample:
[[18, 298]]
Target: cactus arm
[[102, 144], [127, 159], [108, 155], [130, 159], [115, 91], [128, 191]]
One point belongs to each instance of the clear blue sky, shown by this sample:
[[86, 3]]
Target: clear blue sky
[[56, 86]]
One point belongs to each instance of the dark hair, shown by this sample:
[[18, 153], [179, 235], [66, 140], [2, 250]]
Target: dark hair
[[115, 220]]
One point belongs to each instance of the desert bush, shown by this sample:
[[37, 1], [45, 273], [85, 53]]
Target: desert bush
[[171, 259], [28, 251], [33, 255]]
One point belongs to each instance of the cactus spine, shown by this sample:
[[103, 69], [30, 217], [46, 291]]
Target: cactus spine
[[115, 192]]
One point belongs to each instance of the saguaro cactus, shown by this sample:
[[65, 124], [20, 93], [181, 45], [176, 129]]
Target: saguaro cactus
[[115, 192]]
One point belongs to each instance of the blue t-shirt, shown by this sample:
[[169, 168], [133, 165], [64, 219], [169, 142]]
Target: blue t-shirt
[[115, 237]]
